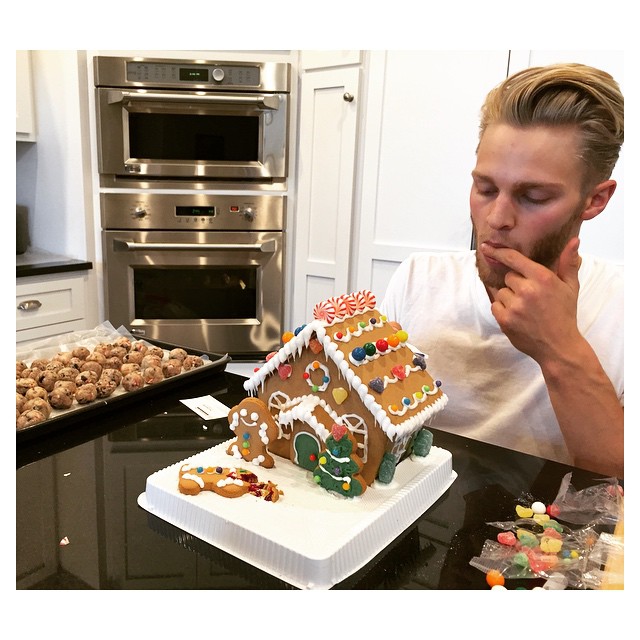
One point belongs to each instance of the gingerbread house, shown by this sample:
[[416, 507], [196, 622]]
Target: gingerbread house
[[349, 366]]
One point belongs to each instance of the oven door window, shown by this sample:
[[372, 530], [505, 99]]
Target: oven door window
[[200, 137], [187, 293]]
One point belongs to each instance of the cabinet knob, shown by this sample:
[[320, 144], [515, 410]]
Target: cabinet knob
[[348, 97], [29, 305]]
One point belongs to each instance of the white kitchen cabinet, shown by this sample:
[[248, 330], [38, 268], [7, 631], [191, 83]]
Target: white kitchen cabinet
[[419, 140], [25, 111], [49, 305], [329, 99]]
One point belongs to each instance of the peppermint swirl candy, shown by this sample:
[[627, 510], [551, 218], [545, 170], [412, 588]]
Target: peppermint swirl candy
[[341, 310], [325, 311], [349, 304], [365, 301]]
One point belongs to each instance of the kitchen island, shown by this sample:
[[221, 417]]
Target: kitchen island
[[79, 525]]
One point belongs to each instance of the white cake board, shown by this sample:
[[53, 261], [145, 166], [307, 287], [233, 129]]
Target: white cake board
[[310, 538]]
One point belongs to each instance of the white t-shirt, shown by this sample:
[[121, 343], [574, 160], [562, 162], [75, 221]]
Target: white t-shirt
[[496, 393]]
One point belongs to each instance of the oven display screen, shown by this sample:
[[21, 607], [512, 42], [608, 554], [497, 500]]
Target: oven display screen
[[196, 211], [194, 75]]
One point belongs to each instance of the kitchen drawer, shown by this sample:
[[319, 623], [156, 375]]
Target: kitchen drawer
[[52, 300]]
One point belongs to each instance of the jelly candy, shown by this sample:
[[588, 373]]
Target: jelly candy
[[520, 559], [494, 578], [507, 538], [523, 512], [550, 545]]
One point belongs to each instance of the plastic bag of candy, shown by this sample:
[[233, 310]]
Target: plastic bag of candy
[[537, 545]]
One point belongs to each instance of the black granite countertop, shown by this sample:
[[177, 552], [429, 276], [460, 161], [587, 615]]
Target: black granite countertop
[[35, 262]]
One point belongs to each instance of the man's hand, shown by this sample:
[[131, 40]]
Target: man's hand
[[537, 308]]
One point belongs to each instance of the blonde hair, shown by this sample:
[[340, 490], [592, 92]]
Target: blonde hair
[[565, 95]]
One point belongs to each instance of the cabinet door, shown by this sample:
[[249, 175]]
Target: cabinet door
[[25, 116], [420, 136], [325, 177]]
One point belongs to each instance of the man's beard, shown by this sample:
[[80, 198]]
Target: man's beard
[[545, 251]]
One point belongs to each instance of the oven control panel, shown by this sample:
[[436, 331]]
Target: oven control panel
[[193, 212], [227, 75], [139, 72]]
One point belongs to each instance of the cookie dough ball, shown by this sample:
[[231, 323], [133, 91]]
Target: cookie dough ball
[[113, 362], [96, 356], [192, 362], [61, 398], [118, 352], [67, 384], [54, 365], [76, 363], [139, 347], [36, 392], [86, 377], [40, 363], [132, 381], [133, 357], [24, 384], [105, 387], [150, 361], [155, 351], [86, 393], [153, 374], [38, 404], [92, 365], [63, 356], [20, 400], [80, 352], [178, 354], [104, 348], [29, 418], [171, 368], [67, 373], [123, 342], [129, 367], [47, 380], [20, 367], [115, 375]]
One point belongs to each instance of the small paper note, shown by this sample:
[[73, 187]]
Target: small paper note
[[207, 407]]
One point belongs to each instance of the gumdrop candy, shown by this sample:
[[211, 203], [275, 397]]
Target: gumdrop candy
[[550, 532], [520, 559], [527, 538], [553, 510], [541, 518], [523, 512], [550, 545], [542, 562], [507, 538]]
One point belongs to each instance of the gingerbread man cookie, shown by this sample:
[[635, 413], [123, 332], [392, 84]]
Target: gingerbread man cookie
[[254, 427], [226, 482]]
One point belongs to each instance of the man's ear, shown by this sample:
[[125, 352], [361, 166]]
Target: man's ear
[[598, 199]]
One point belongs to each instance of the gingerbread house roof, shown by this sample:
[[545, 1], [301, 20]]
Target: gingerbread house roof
[[376, 361]]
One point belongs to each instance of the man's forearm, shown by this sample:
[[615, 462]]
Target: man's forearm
[[588, 410]]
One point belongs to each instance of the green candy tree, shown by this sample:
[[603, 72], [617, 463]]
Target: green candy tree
[[338, 466]]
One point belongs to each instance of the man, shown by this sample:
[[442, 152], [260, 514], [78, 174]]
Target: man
[[525, 332]]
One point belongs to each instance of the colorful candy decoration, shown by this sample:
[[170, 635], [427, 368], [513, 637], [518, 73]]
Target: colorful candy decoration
[[338, 466], [315, 365], [340, 394], [495, 578], [325, 311]]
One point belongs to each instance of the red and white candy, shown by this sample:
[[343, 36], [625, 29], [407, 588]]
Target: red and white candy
[[365, 300], [325, 311]]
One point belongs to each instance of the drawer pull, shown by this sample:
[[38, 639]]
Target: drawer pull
[[29, 305]]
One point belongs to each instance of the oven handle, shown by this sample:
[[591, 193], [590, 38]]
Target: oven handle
[[126, 245], [267, 101]]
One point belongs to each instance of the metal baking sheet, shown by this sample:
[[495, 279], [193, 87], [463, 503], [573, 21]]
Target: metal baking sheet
[[59, 420]]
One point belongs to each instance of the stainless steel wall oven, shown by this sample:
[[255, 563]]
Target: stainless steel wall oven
[[191, 120], [198, 270]]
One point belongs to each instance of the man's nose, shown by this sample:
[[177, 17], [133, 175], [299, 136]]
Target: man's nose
[[502, 213]]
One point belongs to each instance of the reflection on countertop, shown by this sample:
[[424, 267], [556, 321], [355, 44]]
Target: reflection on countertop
[[36, 262]]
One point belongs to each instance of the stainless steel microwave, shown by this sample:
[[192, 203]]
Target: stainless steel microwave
[[192, 120]]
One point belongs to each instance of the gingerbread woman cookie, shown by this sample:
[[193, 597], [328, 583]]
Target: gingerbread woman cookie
[[255, 428], [226, 482]]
